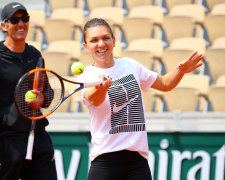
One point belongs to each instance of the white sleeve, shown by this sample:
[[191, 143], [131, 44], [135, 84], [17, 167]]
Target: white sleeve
[[146, 76], [147, 79]]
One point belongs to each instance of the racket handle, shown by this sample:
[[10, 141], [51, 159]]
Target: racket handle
[[30, 146], [91, 84]]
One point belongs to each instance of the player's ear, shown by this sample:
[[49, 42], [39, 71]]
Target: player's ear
[[114, 41], [4, 26], [85, 46]]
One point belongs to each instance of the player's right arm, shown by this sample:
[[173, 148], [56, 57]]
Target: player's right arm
[[96, 95]]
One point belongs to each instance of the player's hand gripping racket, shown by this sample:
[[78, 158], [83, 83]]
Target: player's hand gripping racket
[[53, 91]]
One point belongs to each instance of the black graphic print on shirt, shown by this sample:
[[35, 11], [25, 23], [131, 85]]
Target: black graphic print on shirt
[[127, 114]]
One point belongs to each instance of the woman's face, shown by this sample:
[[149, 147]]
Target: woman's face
[[99, 43]]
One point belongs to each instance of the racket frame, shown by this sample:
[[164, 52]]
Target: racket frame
[[62, 98]]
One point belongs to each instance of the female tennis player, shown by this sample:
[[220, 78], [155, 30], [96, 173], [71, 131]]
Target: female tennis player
[[118, 128]]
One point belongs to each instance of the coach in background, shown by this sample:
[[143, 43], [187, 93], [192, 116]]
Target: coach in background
[[17, 58]]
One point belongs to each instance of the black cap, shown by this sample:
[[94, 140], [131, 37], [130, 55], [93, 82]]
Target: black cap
[[11, 8]]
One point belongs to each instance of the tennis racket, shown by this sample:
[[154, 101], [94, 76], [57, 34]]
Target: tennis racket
[[37, 85], [53, 92]]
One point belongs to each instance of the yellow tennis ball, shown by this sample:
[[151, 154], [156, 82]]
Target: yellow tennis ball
[[77, 68], [30, 95]]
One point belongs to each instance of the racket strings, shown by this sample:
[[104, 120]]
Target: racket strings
[[51, 88]]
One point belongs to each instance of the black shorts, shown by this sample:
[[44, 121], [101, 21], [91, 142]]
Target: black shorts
[[121, 165], [12, 158]]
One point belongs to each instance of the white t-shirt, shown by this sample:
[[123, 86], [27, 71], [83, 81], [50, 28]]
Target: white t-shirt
[[119, 122]]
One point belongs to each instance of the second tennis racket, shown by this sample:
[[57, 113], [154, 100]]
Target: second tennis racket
[[53, 92]]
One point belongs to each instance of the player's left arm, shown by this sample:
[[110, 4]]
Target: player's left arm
[[171, 79]]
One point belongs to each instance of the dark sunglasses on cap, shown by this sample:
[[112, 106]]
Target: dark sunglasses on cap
[[15, 20]]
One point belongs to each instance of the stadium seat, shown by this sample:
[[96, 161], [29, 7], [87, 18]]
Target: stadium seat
[[52, 5], [143, 57], [215, 58], [173, 25], [37, 17], [155, 46], [66, 46], [185, 21], [201, 83], [58, 29], [75, 15], [56, 60], [181, 98], [153, 13], [219, 42], [197, 12], [192, 90], [37, 34], [193, 43], [88, 5], [212, 3], [215, 22], [57, 4], [220, 80], [155, 16], [216, 95], [127, 5], [192, 10], [167, 5], [98, 4], [136, 28], [113, 15], [136, 3], [36, 26]]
